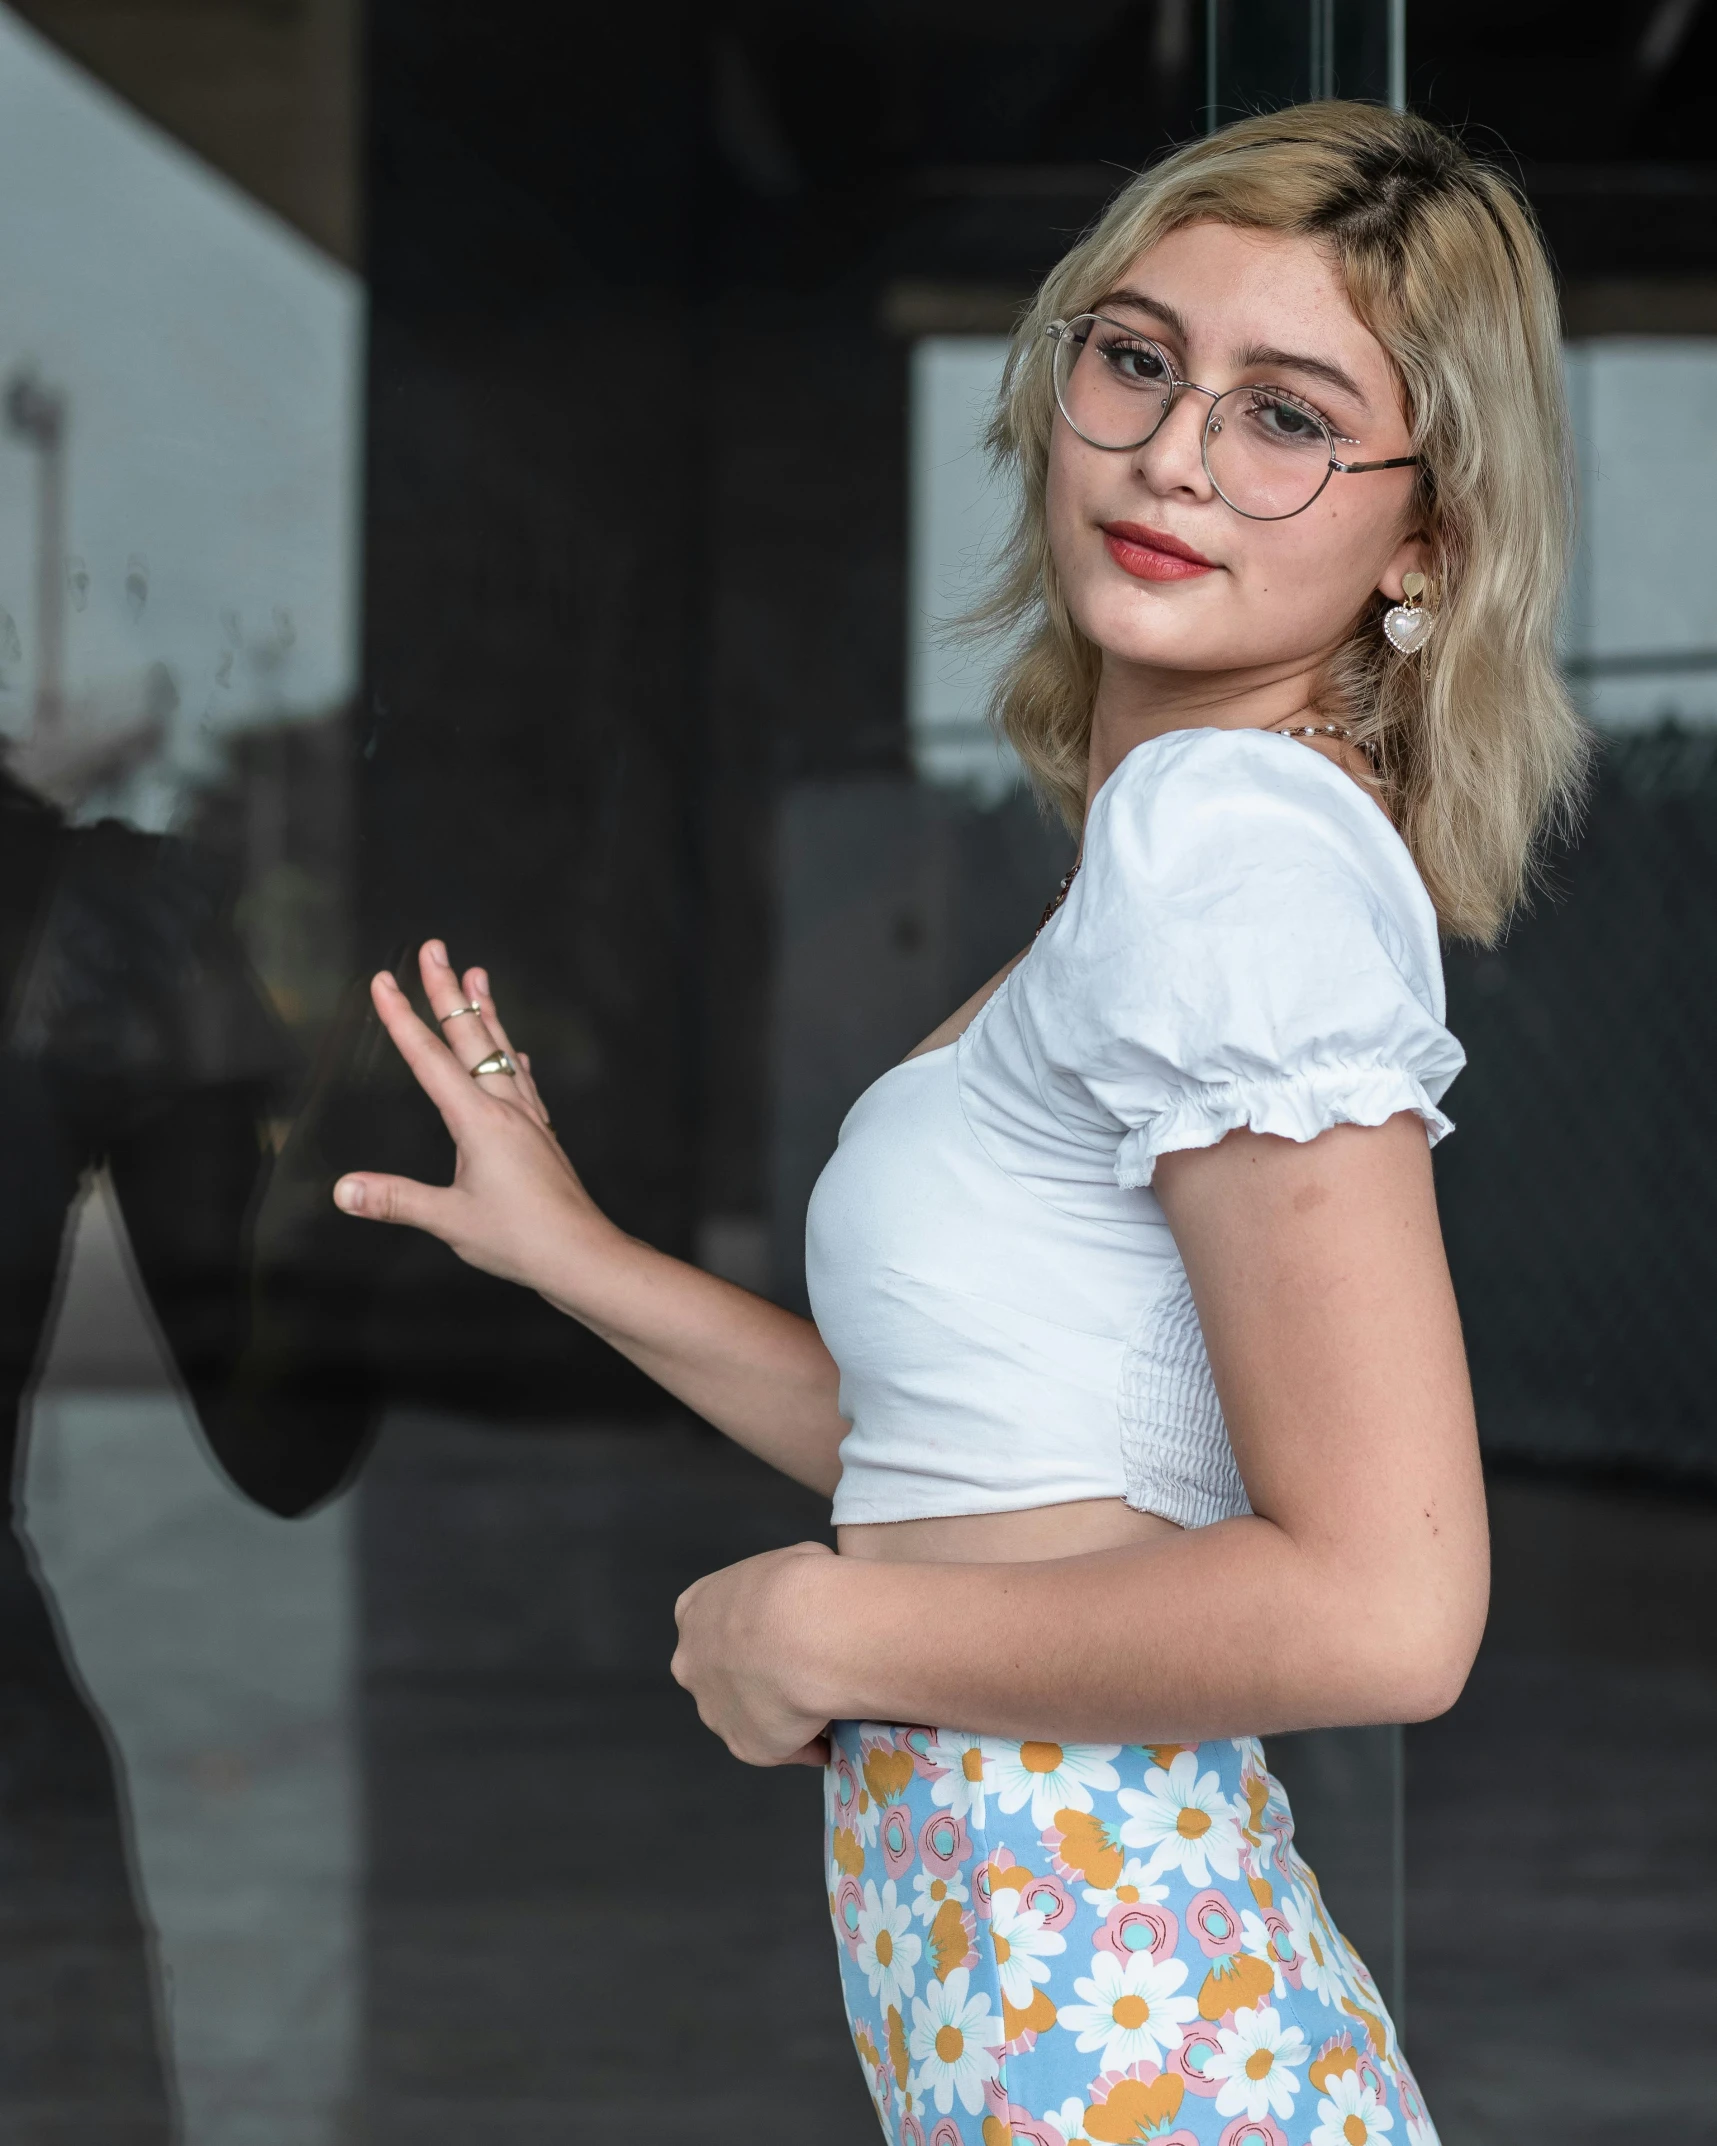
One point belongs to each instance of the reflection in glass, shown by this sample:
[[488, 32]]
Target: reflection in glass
[[178, 1817]]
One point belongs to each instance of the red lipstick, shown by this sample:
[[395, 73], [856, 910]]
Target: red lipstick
[[1152, 555]]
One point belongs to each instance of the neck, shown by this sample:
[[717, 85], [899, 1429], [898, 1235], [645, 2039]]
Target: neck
[[1135, 702]]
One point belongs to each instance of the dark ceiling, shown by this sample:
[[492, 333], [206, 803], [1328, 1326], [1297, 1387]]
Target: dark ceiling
[[770, 144]]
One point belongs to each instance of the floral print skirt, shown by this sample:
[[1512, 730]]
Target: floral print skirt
[[1046, 1945]]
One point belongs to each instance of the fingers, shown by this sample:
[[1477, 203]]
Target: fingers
[[475, 984], [436, 1070], [471, 1028], [393, 1199], [467, 1034]]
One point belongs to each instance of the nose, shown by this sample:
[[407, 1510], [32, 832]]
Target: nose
[[1172, 459]]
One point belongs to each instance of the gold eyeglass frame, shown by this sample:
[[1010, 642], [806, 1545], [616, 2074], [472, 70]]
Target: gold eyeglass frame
[[1062, 331]]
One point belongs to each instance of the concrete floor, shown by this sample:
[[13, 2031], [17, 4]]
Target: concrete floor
[[554, 1838], [432, 1849], [584, 1920], [1562, 1834], [216, 1644]]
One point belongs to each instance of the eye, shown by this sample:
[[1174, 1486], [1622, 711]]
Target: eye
[[1132, 360], [1282, 422]]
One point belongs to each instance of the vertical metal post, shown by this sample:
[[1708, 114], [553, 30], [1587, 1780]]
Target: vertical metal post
[[1212, 28], [1398, 55], [1321, 71]]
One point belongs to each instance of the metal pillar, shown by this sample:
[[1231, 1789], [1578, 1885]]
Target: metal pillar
[[1260, 54]]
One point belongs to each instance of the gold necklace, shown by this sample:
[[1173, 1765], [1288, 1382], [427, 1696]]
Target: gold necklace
[[1343, 731], [1059, 896]]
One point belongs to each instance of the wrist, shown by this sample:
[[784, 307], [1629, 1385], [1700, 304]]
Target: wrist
[[597, 1274], [818, 1609]]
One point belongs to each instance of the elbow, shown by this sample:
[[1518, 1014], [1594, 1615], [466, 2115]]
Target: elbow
[[1417, 1663], [1430, 1685]]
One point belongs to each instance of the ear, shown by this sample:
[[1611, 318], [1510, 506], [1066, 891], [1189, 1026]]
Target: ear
[[1411, 556]]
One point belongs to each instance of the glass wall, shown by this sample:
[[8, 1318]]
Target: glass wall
[[460, 477], [181, 374]]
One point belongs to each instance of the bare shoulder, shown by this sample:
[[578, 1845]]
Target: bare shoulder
[[952, 1029]]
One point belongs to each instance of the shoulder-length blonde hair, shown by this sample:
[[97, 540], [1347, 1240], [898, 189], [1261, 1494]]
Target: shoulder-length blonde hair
[[1478, 748]]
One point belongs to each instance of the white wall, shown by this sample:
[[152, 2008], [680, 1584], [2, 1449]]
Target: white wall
[[1644, 591], [958, 519], [1642, 604]]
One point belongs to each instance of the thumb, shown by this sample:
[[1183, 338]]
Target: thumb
[[391, 1199]]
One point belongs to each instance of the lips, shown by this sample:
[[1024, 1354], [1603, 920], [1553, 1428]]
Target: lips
[[1152, 554]]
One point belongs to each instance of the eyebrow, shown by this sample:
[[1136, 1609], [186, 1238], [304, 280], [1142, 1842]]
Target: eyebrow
[[1258, 354], [1296, 361], [1141, 303]]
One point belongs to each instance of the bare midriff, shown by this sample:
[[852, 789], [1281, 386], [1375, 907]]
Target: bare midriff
[[1073, 1530]]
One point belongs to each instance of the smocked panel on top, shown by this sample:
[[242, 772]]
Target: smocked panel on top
[[1175, 1452]]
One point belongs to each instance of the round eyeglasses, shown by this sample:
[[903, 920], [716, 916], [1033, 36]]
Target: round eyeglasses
[[1267, 453]]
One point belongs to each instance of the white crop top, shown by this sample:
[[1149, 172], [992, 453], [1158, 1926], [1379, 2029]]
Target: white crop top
[[1247, 943]]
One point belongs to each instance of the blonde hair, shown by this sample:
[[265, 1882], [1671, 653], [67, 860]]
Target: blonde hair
[[1478, 749]]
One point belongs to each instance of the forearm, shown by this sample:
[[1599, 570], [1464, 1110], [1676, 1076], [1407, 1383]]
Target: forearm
[[759, 1374], [1236, 1629]]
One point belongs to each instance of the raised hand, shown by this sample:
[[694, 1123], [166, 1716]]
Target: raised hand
[[515, 1207]]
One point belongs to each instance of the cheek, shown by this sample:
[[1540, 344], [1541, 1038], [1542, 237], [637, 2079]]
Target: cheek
[[1090, 588], [1326, 568]]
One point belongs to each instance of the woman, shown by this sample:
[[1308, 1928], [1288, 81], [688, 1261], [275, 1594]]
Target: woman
[[1136, 1376]]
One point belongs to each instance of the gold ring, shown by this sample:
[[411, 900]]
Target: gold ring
[[496, 1062], [457, 1011]]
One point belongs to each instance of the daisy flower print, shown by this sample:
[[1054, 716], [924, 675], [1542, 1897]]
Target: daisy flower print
[[1134, 1886], [1321, 1965], [1184, 1821], [1352, 2113], [931, 1888], [888, 1948], [1077, 1945], [1023, 1948], [960, 1783], [1131, 2009], [957, 2041], [1048, 1777], [1258, 2064]]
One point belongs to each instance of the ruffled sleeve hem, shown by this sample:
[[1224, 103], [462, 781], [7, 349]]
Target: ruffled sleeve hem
[[1295, 1106]]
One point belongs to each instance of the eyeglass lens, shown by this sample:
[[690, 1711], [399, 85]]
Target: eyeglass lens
[[1268, 455]]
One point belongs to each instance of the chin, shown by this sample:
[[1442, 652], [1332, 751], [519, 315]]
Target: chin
[[1167, 642]]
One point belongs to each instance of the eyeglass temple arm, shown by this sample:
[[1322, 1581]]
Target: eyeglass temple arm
[[1358, 469]]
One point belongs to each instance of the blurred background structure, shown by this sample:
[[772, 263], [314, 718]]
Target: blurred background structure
[[506, 476]]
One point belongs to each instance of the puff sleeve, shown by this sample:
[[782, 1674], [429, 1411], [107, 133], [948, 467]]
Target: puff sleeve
[[1248, 944]]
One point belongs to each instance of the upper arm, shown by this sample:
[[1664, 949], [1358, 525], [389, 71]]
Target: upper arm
[[1246, 1001], [1320, 1279]]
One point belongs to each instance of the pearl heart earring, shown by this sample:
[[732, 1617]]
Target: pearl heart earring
[[1408, 624]]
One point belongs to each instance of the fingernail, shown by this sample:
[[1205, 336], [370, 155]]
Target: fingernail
[[349, 1195], [437, 953], [386, 976], [481, 978]]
